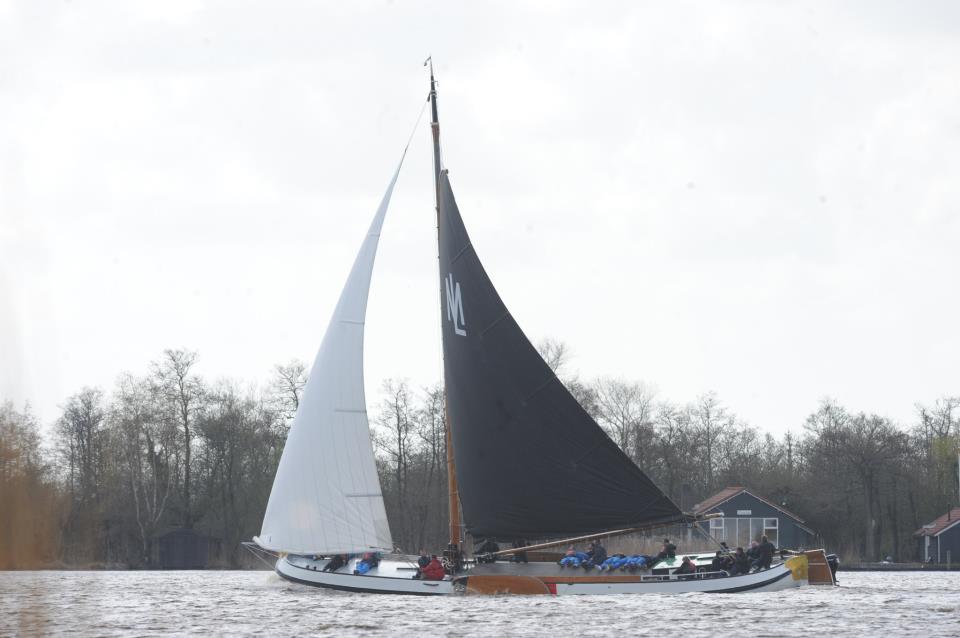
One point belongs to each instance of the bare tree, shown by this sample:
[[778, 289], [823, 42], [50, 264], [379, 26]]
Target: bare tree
[[710, 419], [80, 445], [287, 385], [148, 445], [625, 410], [183, 392], [79, 439], [395, 428], [555, 352]]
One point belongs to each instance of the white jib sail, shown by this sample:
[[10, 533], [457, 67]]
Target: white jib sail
[[326, 496]]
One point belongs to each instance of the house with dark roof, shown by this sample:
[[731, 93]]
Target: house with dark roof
[[940, 540], [746, 516]]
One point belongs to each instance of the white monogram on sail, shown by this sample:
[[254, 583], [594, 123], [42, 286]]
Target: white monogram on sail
[[455, 306]]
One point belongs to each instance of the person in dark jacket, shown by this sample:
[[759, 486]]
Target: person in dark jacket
[[336, 563], [422, 562], [720, 563], [686, 569], [668, 550], [741, 563], [754, 553], [765, 552], [596, 554]]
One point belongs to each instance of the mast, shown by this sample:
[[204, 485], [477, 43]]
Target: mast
[[453, 549]]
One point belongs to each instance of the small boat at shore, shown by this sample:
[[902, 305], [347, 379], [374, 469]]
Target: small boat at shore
[[525, 460]]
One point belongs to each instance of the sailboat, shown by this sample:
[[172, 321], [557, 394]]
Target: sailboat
[[525, 460]]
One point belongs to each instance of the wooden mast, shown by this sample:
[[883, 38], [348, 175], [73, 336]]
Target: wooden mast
[[453, 549]]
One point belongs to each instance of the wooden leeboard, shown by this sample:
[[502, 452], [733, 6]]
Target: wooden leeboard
[[492, 585], [818, 569]]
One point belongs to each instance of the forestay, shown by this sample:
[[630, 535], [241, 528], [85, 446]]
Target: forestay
[[531, 463], [326, 496]]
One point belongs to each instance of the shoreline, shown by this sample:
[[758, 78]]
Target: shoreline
[[898, 567]]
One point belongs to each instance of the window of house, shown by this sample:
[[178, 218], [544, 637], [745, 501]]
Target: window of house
[[771, 529], [756, 528], [716, 529]]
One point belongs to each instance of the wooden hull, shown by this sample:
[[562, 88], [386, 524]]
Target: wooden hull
[[787, 575], [391, 576]]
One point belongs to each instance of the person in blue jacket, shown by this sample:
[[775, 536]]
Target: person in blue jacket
[[368, 562], [573, 558]]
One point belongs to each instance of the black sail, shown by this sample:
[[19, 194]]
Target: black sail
[[530, 462]]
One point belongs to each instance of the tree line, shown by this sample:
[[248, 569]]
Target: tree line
[[168, 449]]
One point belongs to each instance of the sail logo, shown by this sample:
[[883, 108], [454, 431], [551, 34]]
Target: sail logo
[[455, 305]]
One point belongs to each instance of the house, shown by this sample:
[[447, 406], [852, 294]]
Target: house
[[747, 516], [940, 540]]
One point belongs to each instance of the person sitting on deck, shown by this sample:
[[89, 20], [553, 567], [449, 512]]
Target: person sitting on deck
[[434, 569], [485, 552], [754, 553], [573, 558], [669, 550], [596, 553], [765, 552], [719, 563], [422, 562], [726, 560], [686, 569], [368, 562], [336, 563], [741, 563]]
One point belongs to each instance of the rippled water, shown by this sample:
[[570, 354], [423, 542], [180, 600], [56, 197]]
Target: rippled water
[[236, 603]]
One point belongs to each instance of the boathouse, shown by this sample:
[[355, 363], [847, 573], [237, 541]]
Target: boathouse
[[940, 540], [747, 516]]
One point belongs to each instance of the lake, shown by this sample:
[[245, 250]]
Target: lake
[[259, 602]]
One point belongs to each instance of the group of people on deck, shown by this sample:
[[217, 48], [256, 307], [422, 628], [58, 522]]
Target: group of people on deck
[[367, 561], [759, 556], [596, 556], [429, 567]]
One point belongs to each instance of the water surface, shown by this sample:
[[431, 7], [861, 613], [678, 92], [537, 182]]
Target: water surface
[[260, 603]]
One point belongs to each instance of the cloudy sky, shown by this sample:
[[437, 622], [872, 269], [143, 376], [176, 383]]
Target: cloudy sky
[[757, 199]]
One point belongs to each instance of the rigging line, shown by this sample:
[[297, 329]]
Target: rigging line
[[710, 537], [414, 130]]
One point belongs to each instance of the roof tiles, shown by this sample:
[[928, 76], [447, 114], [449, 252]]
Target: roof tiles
[[727, 493], [940, 524]]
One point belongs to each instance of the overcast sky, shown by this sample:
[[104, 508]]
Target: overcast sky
[[757, 199]]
